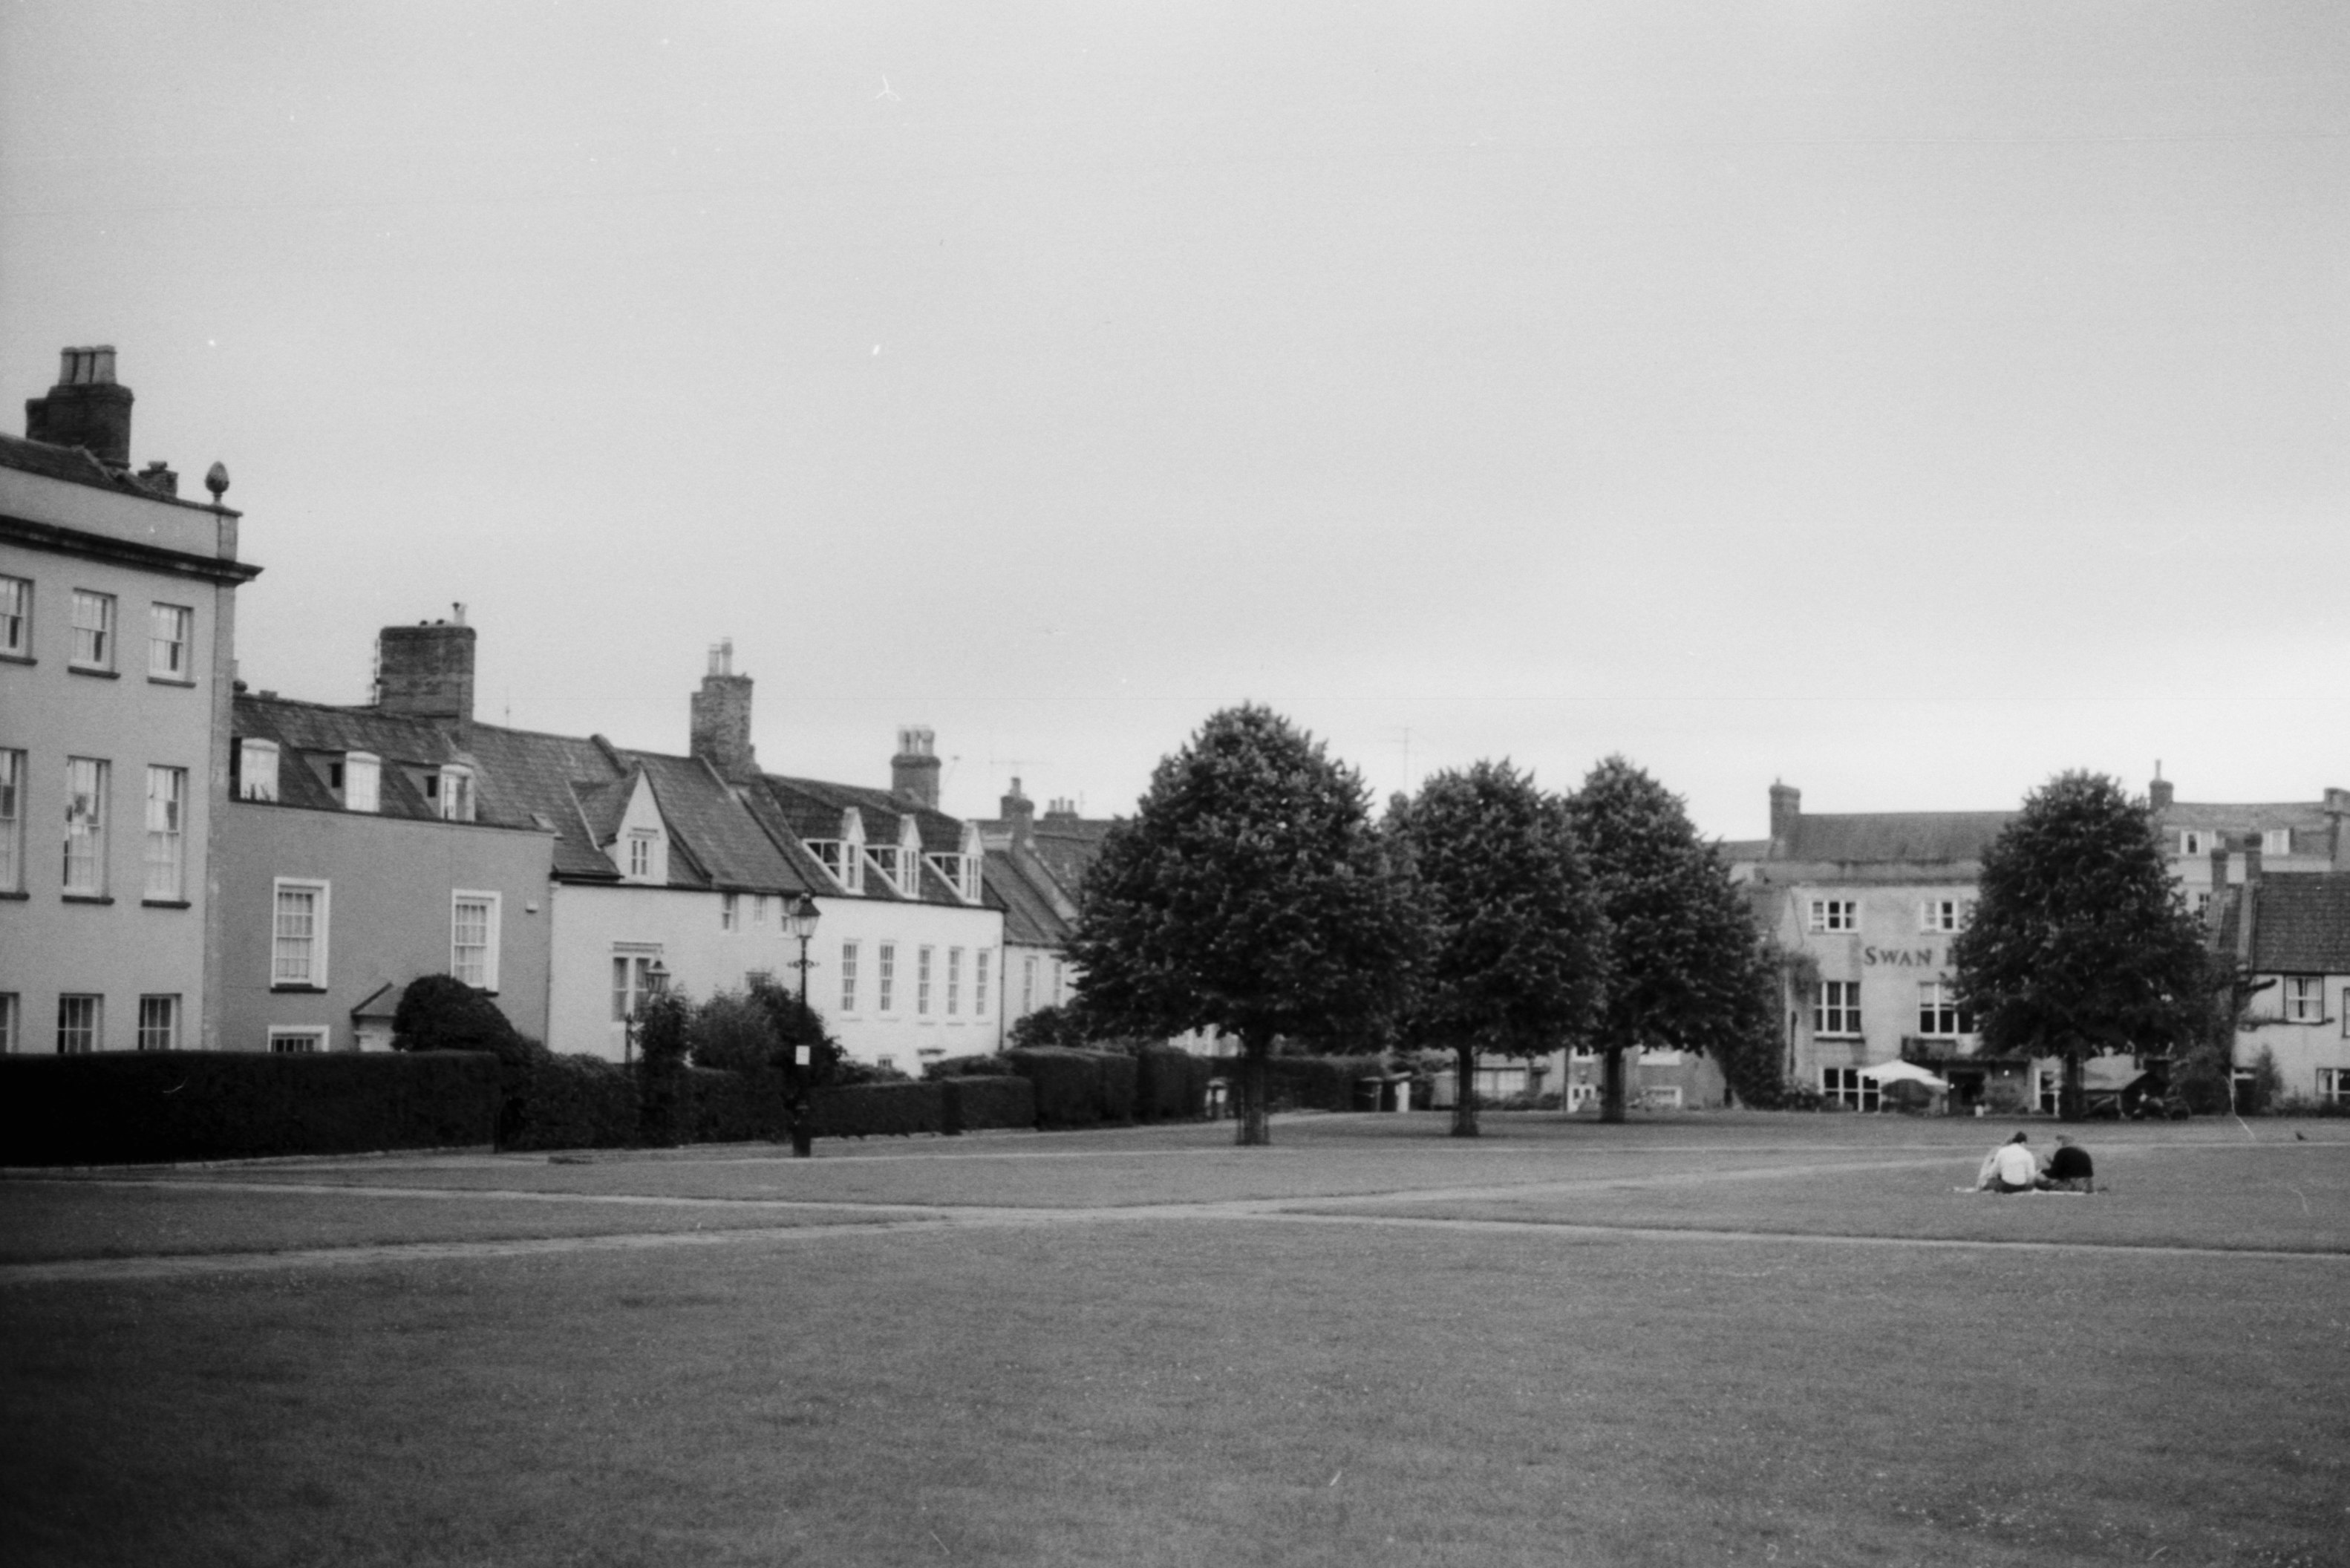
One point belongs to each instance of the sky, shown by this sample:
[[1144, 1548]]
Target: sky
[[1907, 402]]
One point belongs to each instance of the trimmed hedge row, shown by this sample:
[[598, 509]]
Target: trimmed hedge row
[[575, 1102], [126, 1108], [982, 1101], [875, 1110], [1067, 1085], [1169, 1083], [1315, 1083]]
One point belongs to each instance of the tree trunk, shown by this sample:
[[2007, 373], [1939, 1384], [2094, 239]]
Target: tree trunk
[[1255, 1132], [1464, 1091], [2071, 1099], [1611, 1083]]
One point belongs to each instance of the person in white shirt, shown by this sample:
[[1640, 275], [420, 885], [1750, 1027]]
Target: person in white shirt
[[2009, 1168]]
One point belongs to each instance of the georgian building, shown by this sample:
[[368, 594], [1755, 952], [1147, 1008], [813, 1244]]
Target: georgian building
[[118, 617], [2290, 936]]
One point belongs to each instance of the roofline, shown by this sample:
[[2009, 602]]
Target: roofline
[[63, 541]]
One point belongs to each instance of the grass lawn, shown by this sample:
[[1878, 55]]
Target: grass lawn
[[1090, 1380]]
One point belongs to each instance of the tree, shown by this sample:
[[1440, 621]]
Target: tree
[[1687, 967], [1249, 893], [2081, 944], [1516, 950]]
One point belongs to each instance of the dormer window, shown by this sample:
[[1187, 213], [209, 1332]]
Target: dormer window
[[2276, 841], [256, 770], [961, 874], [363, 781], [2194, 841], [641, 846]]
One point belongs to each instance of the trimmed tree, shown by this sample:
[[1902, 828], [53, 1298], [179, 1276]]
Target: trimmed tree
[[2081, 944], [1516, 949], [1686, 967], [1249, 894]]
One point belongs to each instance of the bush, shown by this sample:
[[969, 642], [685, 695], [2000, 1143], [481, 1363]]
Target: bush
[[1162, 1084], [990, 1065], [737, 1108], [1315, 1083], [576, 1102], [1067, 1085], [873, 1110], [125, 1107], [731, 1033], [666, 1114], [1117, 1073], [849, 1073], [989, 1100], [441, 1013], [1799, 1097], [1047, 1028]]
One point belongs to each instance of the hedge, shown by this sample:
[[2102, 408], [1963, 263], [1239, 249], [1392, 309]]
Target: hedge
[[1117, 1084], [988, 1100], [1067, 1085], [1315, 1083], [988, 1065], [1164, 1077], [873, 1110], [735, 1106], [126, 1107], [573, 1102]]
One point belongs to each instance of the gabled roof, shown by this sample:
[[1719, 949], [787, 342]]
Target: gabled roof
[[2301, 923], [1016, 885], [303, 731], [704, 812], [812, 808], [2244, 818], [1912, 837], [537, 774]]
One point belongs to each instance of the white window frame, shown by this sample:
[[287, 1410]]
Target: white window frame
[[15, 616], [453, 798], [1027, 985], [1846, 1086], [93, 645], [2334, 1086], [166, 835], [256, 770], [172, 643], [1935, 1009], [632, 966], [2302, 999], [86, 828], [314, 975], [954, 983], [1840, 915], [2276, 841], [1937, 915], [1844, 1011], [849, 977], [363, 782], [297, 1039], [159, 1022], [730, 911], [92, 1036], [12, 821], [978, 968], [492, 913], [922, 981], [2194, 841], [641, 852], [885, 977]]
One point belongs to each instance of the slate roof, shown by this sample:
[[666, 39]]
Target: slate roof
[[308, 733], [2241, 819], [812, 808], [77, 465], [1068, 847], [704, 812], [1930, 838], [1030, 918], [2301, 924]]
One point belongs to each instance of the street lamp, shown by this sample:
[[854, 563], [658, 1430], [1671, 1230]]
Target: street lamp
[[799, 921], [656, 979]]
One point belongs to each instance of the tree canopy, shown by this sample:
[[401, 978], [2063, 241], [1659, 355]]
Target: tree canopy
[[2081, 943], [1249, 893], [1516, 950], [1687, 967]]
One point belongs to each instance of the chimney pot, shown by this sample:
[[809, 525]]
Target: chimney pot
[[720, 718], [1787, 811], [426, 672], [86, 408], [914, 770], [2157, 794]]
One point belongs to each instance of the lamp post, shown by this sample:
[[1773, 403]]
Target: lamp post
[[656, 982], [799, 921]]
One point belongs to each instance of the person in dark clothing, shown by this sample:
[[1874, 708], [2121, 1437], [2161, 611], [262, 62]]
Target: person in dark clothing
[[2070, 1168]]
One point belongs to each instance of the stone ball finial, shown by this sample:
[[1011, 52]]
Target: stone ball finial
[[216, 481]]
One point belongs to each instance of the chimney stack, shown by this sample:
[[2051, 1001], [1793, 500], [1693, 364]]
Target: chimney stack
[[2157, 794], [86, 408], [1063, 809], [914, 770], [426, 671], [720, 717], [1020, 813], [1787, 811]]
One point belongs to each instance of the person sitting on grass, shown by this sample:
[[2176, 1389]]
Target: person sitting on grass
[[2070, 1169], [2009, 1168]]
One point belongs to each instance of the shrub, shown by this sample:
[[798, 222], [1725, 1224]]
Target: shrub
[[1315, 1083], [731, 1033], [1117, 1077], [576, 1102], [1067, 1085], [736, 1107], [442, 1013], [1162, 1081], [122, 1107], [848, 1072], [666, 1112], [990, 1065], [988, 1100], [1799, 1097], [1048, 1027], [873, 1110]]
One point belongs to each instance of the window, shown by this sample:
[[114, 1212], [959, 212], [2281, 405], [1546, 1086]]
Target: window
[[363, 782], [93, 631], [473, 938], [2334, 1086], [167, 806], [15, 617], [86, 826], [12, 822], [297, 949], [923, 982], [730, 911], [961, 873], [1028, 986], [1939, 1015], [887, 1064], [886, 977], [158, 1023], [2276, 841], [298, 1042], [2304, 999], [11, 1042], [758, 908], [171, 629], [632, 982], [979, 980], [954, 981], [641, 853], [2194, 841], [1846, 1086], [1944, 914], [2203, 905], [849, 977], [453, 794], [256, 770], [1835, 914], [1837, 1011], [81, 1025]]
